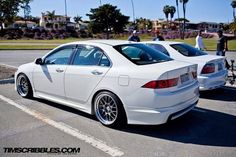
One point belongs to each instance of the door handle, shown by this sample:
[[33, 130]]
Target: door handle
[[95, 72], [59, 70]]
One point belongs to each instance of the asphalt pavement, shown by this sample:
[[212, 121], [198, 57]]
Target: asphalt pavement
[[208, 130]]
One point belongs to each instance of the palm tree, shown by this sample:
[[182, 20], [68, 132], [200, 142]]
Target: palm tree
[[78, 19], [166, 11], [184, 11], [233, 4], [177, 6], [172, 12], [51, 15]]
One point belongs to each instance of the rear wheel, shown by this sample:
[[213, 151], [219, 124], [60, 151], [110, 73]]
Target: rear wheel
[[23, 86], [109, 109]]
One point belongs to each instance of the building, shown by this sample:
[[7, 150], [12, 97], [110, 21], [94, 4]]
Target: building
[[21, 24], [209, 26], [163, 24], [54, 21]]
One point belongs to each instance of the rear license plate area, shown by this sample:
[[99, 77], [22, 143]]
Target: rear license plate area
[[184, 78]]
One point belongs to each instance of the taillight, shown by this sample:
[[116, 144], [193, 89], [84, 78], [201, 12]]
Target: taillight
[[162, 83], [208, 68], [194, 73]]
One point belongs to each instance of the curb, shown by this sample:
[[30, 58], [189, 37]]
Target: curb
[[7, 81]]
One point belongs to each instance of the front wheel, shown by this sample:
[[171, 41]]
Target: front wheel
[[23, 86], [109, 109]]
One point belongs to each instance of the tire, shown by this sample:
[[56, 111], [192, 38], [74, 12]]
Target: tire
[[109, 110], [23, 86]]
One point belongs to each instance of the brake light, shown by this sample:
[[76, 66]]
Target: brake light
[[194, 73], [208, 68], [158, 84]]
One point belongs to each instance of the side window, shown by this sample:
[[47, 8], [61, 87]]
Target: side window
[[61, 56], [159, 48], [89, 55]]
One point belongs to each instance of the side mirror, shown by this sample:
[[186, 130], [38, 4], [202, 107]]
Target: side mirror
[[39, 61]]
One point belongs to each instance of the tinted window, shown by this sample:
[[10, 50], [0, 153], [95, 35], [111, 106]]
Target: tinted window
[[187, 50], [60, 56], [141, 54], [159, 48], [89, 55]]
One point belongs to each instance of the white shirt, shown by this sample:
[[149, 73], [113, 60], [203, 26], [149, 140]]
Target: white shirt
[[199, 43]]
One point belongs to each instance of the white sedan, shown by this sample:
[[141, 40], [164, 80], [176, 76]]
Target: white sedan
[[212, 73], [118, 81]]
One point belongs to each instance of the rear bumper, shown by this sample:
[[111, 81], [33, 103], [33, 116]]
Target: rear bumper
[[213, 81], [158, 115]]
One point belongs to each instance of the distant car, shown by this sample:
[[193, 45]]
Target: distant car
[[118, 81], [212, 73]]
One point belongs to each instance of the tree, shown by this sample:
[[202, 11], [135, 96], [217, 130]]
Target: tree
[[78, 19], [177, 6], [232, 27], [144, 23], [107, 18], [166, 11], [9, 9], [26, 7], [51, 15], [172, 12], [27, 10], [182, 20], [184, 11], [233, 4]]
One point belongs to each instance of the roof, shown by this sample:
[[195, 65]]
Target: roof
[[162, 42], [23, 22], [106, 42]]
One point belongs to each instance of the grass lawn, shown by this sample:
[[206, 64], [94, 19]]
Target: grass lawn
[[25, 44]]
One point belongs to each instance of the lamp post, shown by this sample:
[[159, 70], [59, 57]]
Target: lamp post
[[100, 2], [66, 13], [133, 10]]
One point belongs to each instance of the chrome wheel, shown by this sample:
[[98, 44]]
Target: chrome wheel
[[106, 109], [23, 86]]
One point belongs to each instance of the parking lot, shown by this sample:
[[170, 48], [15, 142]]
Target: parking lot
[[208, 130]]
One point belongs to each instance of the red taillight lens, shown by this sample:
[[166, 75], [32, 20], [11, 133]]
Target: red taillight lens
[[194, 73], [161, 83], [208, 68]]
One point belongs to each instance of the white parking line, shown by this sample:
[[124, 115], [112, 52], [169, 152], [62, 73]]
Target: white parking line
[[101, 145]]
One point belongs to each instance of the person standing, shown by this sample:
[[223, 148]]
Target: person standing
[[158, 37], [199, 42], [222, 46], [134, 37]]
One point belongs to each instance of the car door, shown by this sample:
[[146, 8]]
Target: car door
[[89, 66], [48, 78]]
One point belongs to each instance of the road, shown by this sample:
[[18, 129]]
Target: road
[[208, 130]]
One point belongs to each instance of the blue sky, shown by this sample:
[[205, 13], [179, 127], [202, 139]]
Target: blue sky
[[197, 10]]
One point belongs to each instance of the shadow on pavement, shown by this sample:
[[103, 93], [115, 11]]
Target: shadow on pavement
[[200, 126], [207, 127], [223, 94], [66, 108]]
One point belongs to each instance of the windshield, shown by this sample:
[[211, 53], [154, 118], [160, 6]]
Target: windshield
[[141, 54], [187, 50]]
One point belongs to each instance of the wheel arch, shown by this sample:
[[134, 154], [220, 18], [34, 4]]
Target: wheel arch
[[105, 90]]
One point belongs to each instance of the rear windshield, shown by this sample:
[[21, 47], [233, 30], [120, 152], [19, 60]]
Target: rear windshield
[[141, 54], [187, 50]]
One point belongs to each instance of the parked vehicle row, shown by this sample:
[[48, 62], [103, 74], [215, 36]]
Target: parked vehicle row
[[119, 81]]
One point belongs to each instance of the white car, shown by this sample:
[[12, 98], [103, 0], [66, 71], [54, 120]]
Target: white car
[[118, 81], [212, 73]]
